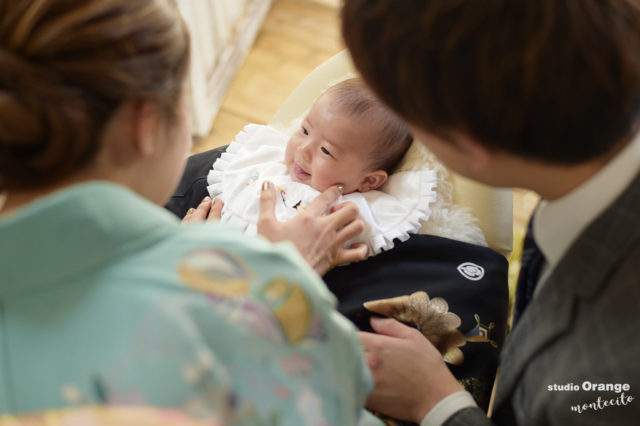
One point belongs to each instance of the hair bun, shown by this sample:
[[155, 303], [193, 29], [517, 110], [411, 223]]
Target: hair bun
[[38, 135], [65, 68], [20, 86], [18, 127]]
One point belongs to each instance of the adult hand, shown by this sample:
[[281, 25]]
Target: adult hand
[[409, 375], [207, 210], [318, 237]]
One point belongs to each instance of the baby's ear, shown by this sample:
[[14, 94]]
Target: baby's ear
[[373, 180]]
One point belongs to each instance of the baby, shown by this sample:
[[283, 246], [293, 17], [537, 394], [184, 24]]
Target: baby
[[348, 138]]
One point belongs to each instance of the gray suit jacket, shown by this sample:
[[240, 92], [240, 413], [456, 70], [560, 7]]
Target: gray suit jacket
[[583, 326]]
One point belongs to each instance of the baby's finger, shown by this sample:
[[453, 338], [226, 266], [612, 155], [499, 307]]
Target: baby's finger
[[216, 210], [200, 213], [321, 204]]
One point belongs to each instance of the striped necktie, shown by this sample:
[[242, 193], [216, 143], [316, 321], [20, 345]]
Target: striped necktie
[[530, 267]]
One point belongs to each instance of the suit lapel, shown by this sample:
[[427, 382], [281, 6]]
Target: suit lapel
[[580, 274], [547, 316]]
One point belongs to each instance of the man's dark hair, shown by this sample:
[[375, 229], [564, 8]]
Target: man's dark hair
[[557, 81]]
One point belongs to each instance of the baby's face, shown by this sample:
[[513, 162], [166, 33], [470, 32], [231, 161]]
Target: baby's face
[[331, 147]]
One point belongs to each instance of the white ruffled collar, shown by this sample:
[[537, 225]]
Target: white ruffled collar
[[393, 212]]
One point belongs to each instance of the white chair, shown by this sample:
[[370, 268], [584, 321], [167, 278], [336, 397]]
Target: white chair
[[493, 207]]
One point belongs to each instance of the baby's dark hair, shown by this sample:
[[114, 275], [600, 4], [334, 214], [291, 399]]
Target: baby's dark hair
[[354, 97]]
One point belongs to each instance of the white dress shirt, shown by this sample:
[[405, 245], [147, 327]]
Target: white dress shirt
[[556, 225]]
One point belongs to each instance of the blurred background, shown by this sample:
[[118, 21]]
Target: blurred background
[[248, 55]]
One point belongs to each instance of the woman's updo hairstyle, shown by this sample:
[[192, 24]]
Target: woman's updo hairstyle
[[67, 65]]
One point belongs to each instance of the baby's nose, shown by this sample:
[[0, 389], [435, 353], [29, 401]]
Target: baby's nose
[[305, 151]]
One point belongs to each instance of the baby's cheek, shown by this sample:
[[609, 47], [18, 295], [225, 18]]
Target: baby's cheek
[[326, 178], [288, 152], [288, 158]]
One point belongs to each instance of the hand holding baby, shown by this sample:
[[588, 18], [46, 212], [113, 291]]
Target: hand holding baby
[[318, 237], [208, 210]]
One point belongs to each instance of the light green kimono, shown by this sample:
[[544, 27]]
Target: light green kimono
[[108, 299]]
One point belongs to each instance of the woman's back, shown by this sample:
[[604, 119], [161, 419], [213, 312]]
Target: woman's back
[[106, 299]]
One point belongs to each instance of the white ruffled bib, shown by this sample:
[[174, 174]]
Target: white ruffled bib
[[257, 154]]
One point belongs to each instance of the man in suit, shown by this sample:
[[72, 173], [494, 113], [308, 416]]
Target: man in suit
[[543, 95]]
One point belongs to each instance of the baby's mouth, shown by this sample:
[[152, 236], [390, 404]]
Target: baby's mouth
[[299, 172]]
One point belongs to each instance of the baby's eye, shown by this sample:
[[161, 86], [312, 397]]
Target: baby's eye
[[326, 151], [304, 131]]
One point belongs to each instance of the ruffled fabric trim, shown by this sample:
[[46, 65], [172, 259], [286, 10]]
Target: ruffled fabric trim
[[411, 223]]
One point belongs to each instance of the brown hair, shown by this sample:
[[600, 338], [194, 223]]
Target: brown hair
[[66, 66], [557, 81], [393, 138]]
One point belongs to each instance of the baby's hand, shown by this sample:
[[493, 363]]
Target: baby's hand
[[207, 211]]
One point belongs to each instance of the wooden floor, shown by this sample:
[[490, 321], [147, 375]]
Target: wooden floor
[[297, 36]]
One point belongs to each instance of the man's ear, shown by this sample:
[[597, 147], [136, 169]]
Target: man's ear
[[478, 155], [372, 180]]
